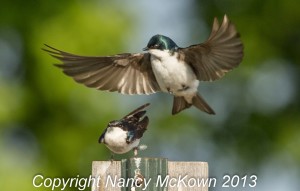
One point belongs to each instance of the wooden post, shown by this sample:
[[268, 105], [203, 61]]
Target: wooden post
[[145, 172], [153, 174]]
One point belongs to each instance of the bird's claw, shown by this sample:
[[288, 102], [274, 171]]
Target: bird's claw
[[112, 157]]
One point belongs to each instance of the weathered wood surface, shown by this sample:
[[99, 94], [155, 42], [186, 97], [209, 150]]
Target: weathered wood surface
[[192, 173], [153, 174], [101, 170]]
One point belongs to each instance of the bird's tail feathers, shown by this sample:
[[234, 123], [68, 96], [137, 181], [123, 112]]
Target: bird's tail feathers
[[199, 102], [180, 104]]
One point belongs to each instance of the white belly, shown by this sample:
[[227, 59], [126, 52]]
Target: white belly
[[173, 76], [115, 140]]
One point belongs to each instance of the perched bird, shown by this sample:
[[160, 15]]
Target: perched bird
[[164, 67], [123, 135]]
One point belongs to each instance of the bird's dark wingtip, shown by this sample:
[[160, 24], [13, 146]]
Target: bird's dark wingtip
[[101, 138], [58, 65], [137, 110], [50, 47], [212, 113], [143, 106], [52, 51]]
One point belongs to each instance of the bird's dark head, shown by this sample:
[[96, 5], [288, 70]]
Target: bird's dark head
[[161, 42]]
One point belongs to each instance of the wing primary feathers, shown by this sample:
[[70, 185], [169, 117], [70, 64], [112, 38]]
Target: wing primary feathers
[[136, 110], [124, 73], [220, 53]]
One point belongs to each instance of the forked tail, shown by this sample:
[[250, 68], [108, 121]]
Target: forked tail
[[180, 104]]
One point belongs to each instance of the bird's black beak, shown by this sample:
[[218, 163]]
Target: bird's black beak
[[145, 49]]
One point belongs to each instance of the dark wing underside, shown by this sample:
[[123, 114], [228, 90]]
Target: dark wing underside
[[124, 73], [222, 52]]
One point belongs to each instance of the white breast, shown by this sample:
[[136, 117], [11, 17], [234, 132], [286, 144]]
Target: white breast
[[172, 74], [115, 140]]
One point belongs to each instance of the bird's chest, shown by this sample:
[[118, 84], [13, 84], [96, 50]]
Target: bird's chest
[[171, 74], [115, 139], [116, 136]]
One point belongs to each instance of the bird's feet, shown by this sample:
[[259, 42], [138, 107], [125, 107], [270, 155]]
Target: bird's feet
[[112, 157]]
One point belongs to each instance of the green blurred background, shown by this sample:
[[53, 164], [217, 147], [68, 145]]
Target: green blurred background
[[50, 125]]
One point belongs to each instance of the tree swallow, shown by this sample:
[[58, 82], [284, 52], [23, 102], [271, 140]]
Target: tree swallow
[[123, 135], [164, 67]]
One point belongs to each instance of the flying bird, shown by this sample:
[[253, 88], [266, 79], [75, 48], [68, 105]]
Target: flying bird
[[121, 136], [164, 67]]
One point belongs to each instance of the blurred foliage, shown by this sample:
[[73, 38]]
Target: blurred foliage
[[50, 125]]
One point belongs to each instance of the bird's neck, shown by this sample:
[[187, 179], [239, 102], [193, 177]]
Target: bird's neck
[[161, 53]]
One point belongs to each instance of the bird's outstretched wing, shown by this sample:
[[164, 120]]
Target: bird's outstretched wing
[[125, 73], [222, 52]]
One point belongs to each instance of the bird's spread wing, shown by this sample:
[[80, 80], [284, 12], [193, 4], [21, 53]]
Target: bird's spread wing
[[222, 52], [125, 73]]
